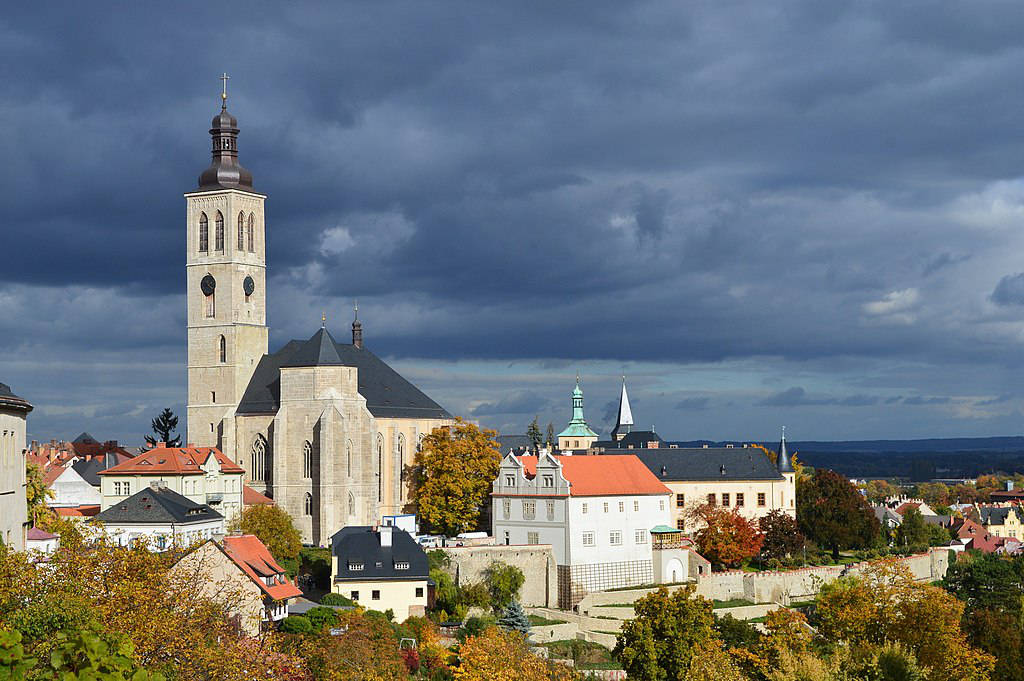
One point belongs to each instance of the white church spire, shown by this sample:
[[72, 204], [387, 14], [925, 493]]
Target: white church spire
[[625, 418]]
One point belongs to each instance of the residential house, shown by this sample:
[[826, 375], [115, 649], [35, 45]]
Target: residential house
[[202, 474], [380, 568], [974, 536], [241, 571], [162, 516], [1002, 521], [596, 512], [41, 541], [70, 489]]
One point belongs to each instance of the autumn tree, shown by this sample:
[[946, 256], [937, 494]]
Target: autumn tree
[[831, 511], [725, 537], [885, 604], [455, 468], [932, 493], [273, 526], [366, 649], [37, 494], [878, 491], [495, 655], [163, 427], [782, 536], [711, 662], [666, 632]]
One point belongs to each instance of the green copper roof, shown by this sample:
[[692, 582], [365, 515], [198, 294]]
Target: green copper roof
[[578, 425], [664, 529]]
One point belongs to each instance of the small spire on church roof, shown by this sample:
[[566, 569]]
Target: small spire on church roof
[[323, 320], [224, 91], [357, 309]]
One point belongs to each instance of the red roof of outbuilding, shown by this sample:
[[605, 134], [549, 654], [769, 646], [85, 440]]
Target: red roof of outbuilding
[[606, 475], [173, 461], [251, 497], [35, 534], [250, 554], [77, 511]]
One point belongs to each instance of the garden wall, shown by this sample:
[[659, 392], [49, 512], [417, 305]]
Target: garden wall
[[536, 561]]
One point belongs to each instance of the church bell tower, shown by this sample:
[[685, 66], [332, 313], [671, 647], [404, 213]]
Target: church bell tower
[[225, 267]]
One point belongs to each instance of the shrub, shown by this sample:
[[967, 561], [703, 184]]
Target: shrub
[[296, 624], [321, 617], [335, 599]]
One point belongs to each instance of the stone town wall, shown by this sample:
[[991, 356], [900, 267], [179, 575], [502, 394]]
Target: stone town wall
[[537, 563]]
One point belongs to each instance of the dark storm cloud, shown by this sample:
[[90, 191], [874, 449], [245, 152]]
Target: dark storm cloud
[[918, 400], [517, 403], [693, 403], [614, 182]]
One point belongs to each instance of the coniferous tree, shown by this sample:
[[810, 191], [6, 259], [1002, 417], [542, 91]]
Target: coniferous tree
[[533, 432], [514, 618], [164, 426], [550, 437]]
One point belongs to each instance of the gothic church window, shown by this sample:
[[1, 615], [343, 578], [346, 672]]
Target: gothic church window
[[222, 347], [204, 234], [348, 456], [380, 467], [258, 459], [241, 232], [218, 235], [308, 510], [307, 460], [249, 233], [351, 504], [401, 466]]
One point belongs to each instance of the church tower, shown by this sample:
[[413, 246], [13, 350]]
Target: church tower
[[225, 266]]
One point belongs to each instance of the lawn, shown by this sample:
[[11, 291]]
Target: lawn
[[538, 621], [731, 603]]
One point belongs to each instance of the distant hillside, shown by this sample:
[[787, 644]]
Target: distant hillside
[[963, 457]]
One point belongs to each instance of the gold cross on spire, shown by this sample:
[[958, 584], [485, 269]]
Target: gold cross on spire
[[224, 89], [323, 320]]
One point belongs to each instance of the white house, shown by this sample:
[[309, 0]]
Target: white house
[[71, 490], [596, 512], [163, 517], [380, 568]]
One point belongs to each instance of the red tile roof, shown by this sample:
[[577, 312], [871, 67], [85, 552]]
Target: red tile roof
[[251, 497], [51, 474], [35, 534], [249, 553], [606, 475], [173, 461], [77, 511], [980, 538]]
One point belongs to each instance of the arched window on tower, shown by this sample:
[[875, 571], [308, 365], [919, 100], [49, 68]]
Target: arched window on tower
[[308, 506], [307, 460], [204, 233], [218, 234], [380, 467], [250, 239], [258, 459], [351, 504], [348, 456], [223, 348], [241, 232]]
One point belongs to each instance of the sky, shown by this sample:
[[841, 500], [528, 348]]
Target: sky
[[807, 214]]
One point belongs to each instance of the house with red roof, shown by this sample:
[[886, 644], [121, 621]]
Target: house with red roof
[[203, 475], [596, 512], [240, 570]]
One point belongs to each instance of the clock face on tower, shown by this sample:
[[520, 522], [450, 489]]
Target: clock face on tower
[[207, 285], [248, 285]]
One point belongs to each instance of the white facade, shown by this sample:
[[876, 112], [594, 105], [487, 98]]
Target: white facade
[[71, 490], [164, 535], [599, 541], [13, 512]]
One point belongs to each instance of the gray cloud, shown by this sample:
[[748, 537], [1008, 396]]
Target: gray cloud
[[522, 402], [693, 403], [1009, 290], [918, 400]]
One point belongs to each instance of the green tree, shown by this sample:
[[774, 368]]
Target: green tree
[[549, 436], [87, 654], [514, 618], [659, 642], [321, 617], [273, 526], [533, 432], [36, 494], [335, 599], [163, 427], [503, 583], [998, 634], [782, 536], [913, 531], [831, 511], [988, 582], [455, 467], [296, 624]]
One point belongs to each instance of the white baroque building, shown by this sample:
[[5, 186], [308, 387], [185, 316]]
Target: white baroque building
[[596, 512], [13, 514]]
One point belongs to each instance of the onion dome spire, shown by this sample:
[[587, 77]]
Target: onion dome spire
[[357, 329], [785, 464], [225, 172]]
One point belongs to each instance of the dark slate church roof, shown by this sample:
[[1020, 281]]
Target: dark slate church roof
[[157, 506], [712, 463], [361, 544], [387, 394], [10, 400]]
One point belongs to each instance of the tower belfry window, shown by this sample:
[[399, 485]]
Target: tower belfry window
[[218, 239], [204, 234], [241, 232], [250, 243], [223, 349]]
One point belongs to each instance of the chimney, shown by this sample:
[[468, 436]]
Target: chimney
[[158, 484], [385, 535], [1009, 485]]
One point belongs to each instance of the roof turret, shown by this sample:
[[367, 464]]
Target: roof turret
[[225, 172], [578, 425], [624, 420], [784, 463]]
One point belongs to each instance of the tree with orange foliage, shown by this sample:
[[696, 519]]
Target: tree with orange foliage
[[498, 656], [725, 537]]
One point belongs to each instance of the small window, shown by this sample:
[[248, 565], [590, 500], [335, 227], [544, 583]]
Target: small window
[[419, 592], [622, 507], [725, 498], [549, 481], [354, 566], [711, 500], [222, 349], [551, 510], [375, 595], [640, 536], [401, 566], [532, 538], [127, 489], [213, 397], [508, 538], [529, 510], [760, 498], [680, 524], [309, 504], [307, 459], [606, 507], [584, 507], [661, 504], [354, 595], [680, 500], [739, 498], [588, 538], [510, 481], [636, 505], [506, 508], [615, 537]]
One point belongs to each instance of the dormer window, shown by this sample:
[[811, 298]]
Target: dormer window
[[402, 566], [549, 480], [354, 566], [510, 481]]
